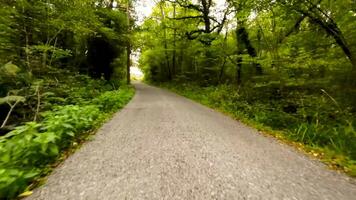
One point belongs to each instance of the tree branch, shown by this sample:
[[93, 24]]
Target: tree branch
[[185, 4], [187, 17]]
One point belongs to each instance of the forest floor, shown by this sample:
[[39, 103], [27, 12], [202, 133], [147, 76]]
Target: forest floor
[[163, 146]]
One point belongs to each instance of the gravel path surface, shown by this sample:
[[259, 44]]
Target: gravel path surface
[[163, 146]]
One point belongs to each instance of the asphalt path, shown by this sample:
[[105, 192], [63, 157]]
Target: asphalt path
[[163, 146]]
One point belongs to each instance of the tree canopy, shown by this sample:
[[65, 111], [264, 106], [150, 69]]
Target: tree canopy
[[286, 65]]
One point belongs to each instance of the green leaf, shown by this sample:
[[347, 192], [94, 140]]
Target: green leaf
[[70, 133], [5, 158], [12, 99], [10, 69], [67, 126], [53, 150], [48, 94], [30, 174]]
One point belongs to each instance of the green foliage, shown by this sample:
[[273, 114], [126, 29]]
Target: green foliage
[[12, 99], [42, 36], [14, 180], [9, 70], [48, 42], [112, 100], [26, 151], [43, 64], [11, 76], [286, 66]]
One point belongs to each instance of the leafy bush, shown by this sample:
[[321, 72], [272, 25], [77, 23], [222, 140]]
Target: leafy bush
[[112, 100], [14, 180], [26, 151]]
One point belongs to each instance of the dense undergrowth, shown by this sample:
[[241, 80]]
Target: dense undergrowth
[[77, 106], [314, 121], [54, 57]]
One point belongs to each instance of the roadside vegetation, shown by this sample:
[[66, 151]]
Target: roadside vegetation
[[319, 127], [285, 67], [27, 151], [63, 67]]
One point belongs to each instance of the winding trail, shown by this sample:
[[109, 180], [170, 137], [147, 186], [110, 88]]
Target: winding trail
[[163, 146]]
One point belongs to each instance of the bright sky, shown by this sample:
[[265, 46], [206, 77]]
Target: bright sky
[[143, 9]]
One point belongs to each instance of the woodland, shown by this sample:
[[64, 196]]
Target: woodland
[[285, 67], [63, 68]]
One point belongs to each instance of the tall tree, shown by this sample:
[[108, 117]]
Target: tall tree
[[128, 45]]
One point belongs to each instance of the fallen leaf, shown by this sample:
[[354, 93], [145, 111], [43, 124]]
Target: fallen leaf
[[26, 194]]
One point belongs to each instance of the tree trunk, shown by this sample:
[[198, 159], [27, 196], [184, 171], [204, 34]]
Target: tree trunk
[[333, 30], [128, 64], [174, 42], [322, 19], [128, 47], [222, 69], [205, 11], [238, 69], [244, 39], [163, 17], [9, 114]]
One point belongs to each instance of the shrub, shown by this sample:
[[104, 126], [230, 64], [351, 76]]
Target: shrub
[[113, 100], [26, 151]]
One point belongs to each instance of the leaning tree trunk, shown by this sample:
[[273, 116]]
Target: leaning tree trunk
[[322, 19], [334, 31], [243, 38], [243, 42]]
